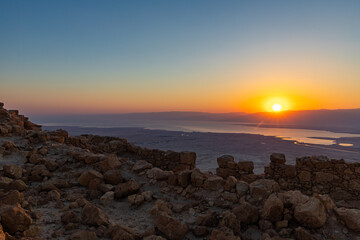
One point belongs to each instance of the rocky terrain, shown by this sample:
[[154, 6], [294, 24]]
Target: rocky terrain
[[54, 186]]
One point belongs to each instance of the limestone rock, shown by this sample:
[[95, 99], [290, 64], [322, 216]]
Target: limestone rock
[[230, 183], [241, 188], [224, 160], [158, 174], [184, 178], [136, 199], [126, 189], [214, 183], [93, 216], [12, 171], [278, 158], [161, 207], [351, 217], [107, 198], [87, 176], [197, 178], [14, 218], [141, 165], [173, 229], [262, 188], [113, 177], [12, 197], [273, 209], [311, 214], [246, 213], [120, 232], [293, 198]]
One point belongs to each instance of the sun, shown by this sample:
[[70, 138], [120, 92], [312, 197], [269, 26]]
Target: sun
[[276, 107]]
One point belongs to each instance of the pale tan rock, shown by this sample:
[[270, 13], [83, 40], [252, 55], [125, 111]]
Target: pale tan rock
[[83, 235], [107, 198], [214, 183], [161, 207], [273, 209], [136, 199], [12, 171], [261, 189], [351, 217], [197, 178], [311, 214]]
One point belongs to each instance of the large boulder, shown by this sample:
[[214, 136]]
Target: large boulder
[[293, 198], [262, 188], [224, 160], [93, 216], [273, 209], [241, 188], [87, 176], [173, 229], [14, 218], [351, 217], [311, 214], [161, 207], [113, 176], [12, 171], [126, 189]]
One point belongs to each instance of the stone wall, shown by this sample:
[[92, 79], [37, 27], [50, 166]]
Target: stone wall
[[166, 160], [241, 170], [317, 174], [11, 123]]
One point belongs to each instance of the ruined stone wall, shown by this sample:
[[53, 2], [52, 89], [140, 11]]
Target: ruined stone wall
[[242, 170], [166, 160], [317, 174], [11, 123]]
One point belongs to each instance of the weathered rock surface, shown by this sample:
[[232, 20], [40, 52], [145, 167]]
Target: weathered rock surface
[[311, 214]]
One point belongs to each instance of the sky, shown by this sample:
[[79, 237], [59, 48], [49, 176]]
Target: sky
[[69, 57]]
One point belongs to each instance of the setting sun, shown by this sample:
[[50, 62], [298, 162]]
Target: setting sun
[[277, 107]]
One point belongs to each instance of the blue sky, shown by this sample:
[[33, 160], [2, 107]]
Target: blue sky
[[156, 49]]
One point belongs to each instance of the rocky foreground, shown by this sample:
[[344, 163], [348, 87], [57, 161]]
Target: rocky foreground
[[54, 186]]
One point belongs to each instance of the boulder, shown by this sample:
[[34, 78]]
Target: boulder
[[112, 162], [161, 207], [197, 178], [326, 201], [311, 214], [200, 231], [147, 195], [87, 176], [214, 183], [262, 188], [93, 216], [126, 189], [14, 218], [273, 209], [136, 199], [209, 219], [241, 188], [246, 213], [351, 218], [113, 177], [12, 171], [141, 165], [154, 237], [173, 229], [158, 174], [107, 198], [184, 178], [69, 217], [12, 197], [293, 198], [230, 183], [245, 166]]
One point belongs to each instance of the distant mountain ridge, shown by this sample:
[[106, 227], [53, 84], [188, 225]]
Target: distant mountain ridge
[[342, 120]]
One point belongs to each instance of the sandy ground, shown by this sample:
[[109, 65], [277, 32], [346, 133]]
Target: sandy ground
[[209, 146]]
